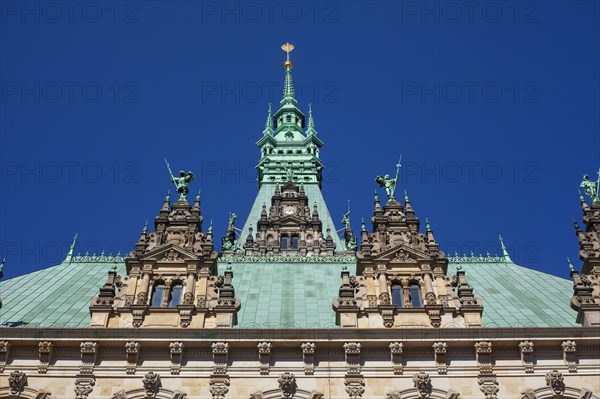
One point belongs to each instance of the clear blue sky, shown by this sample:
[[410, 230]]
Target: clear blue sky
[[495, 108]]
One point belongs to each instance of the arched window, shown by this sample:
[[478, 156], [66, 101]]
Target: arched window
[[157, 295], [397, 295], [284, 243], [294, 242], [175, 297], [288, 118], [415, 295]]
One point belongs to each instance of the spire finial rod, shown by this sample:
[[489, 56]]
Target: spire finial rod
[[504, 251], [71, 249], [570, 264]]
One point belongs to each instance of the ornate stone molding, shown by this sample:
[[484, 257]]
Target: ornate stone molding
[[151, 383], [264, 356], [422, 382], [288, 259], [176, 351], [526, 348], [483, 351], [84, 386], [287, 384], [89, 352], [45, 356], [308, 357], [439, 351], [355, 386], [132, 350], [220, 353], [352, 353], [219, 386], [4, 352], [489, 386], [555, 381], [396, 357], [569, 349], [17, 381]]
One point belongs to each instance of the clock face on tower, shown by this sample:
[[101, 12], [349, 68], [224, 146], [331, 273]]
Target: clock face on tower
[[289, 210]]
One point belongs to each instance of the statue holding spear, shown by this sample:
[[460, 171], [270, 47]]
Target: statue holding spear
[[388, 183], [182, 182]]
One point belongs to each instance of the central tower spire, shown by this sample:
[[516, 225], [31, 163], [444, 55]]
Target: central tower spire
[[290, 153]]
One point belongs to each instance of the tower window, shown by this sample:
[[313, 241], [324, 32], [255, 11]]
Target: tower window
[[415, 295], [175, 295], [284, 243], [294, 242], [288, 118], [397, 295], [157, 295]]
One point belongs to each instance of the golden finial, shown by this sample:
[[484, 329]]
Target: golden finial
[[287, 47]]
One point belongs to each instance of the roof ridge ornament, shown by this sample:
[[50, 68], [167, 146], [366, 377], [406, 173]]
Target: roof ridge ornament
[[505, 254], [388, 183], [591, 187], [182, 182], [69, 257]]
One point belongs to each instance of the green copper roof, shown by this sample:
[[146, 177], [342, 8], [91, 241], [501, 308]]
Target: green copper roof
[[314, 195], [515, 296], [286, 295], [58, 296]]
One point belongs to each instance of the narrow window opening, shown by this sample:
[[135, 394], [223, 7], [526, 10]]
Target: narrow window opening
[[175, 295], [397, 295], [157, 295]]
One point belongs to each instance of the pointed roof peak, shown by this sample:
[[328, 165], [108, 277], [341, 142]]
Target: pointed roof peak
[[505, 254], [269, 122], [288, 84]]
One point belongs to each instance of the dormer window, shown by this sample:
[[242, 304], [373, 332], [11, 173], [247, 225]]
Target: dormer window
[[175, 296], [397, 295], [157, 295], [415, 295]]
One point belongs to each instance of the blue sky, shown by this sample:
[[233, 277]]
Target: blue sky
[[494, 106]]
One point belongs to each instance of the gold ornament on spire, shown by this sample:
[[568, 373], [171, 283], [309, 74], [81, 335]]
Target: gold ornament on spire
[[287, 47]]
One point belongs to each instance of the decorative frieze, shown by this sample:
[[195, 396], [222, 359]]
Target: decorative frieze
[[176, 351], [4, 352], [422, 383], [132, 351], [483, 351], [396, 357], [45, 355], [489, 386], [17, 381], [439, 351], [264, 356], [308, 357], [555, 380], [526, 348], [287, 384], [89, 352], [84, 386], [569, 348], [151, 383]]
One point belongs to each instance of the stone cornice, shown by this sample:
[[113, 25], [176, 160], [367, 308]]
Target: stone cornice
[[372, 337]]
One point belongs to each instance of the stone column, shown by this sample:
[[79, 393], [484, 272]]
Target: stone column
[[142, 295]]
